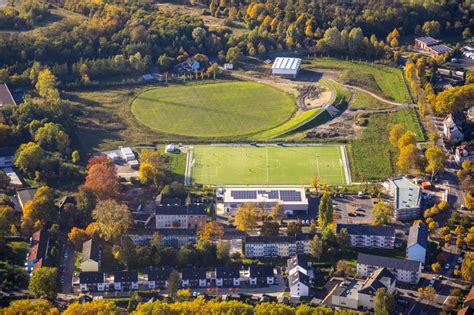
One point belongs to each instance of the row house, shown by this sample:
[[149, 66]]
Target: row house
[[369, 236], [92, 281], [38, 251], [125, 280], [404, 270], [277, 246], [169, 237], [180, 217], [157, 278]]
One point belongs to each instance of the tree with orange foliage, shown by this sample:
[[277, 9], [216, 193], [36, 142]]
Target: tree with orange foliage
[[100, 159], [78, 236], [103, 181]]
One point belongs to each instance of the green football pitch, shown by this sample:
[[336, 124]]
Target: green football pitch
[[267, 165]]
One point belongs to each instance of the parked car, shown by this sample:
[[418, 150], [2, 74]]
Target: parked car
[[447, 266]]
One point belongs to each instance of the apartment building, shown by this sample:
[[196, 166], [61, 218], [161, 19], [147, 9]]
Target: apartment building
[[369, 236], [404, 270], [180, 217], [277, 246]]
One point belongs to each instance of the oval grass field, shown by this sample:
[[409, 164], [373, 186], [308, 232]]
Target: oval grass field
[[223, 109]]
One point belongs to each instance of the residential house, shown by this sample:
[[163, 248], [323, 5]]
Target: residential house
[[91, 256], [299, 284], [360, 294], [24, 195], [463, 153], [406, 198], [404, 270], [453, 127], [126, 280], [235, 240], [38, 251], [91, 281], [227, 276], [7, 156], [259, 275], [369, 236], [158, 278], [6, 97], [417, 244], [181, 217], [194, 278], [169, 237], [292, 200], [299, 275]]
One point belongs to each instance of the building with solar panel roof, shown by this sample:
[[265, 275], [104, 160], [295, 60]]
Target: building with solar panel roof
[[291, 199], [285, 66]]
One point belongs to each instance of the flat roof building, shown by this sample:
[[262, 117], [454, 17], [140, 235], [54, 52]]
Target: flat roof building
[[291, 199], [286, 66], [407, 198]]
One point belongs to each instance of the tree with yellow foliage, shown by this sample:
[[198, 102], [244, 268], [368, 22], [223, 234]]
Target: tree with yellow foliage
[[396, 133], [409, 158], [46, 85], [406, 139], [436, 159], [210, 231], [246, 217]]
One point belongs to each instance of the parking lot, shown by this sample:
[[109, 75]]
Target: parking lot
[[353, 209]]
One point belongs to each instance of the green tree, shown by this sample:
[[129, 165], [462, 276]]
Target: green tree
[[174, 283], [294, 228], [269, 228], [326, 211], [431, 28], [52, 137], [233, 54], [436, 159], [44, 282], [384, 302], [382, 213], [316, 247], [29, 156], [4, 180]]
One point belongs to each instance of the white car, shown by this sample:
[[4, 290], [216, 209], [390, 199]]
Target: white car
[[459, 259], [432, 282], [447, 266]]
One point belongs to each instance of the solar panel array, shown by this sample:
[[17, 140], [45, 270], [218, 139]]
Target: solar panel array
[[290, 195], [271, 194], [284, 195], [244, 194]]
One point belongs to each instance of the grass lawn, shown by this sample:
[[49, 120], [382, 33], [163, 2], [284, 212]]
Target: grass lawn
[[213, 110], [372, 156], [365, 101], [269, 165], [176, 165], [386, 81]]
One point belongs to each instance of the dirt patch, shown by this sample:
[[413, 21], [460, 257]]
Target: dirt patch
[[313, 96]]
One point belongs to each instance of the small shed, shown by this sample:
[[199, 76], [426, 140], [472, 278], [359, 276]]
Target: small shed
[[228, 66], [171, 148]]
